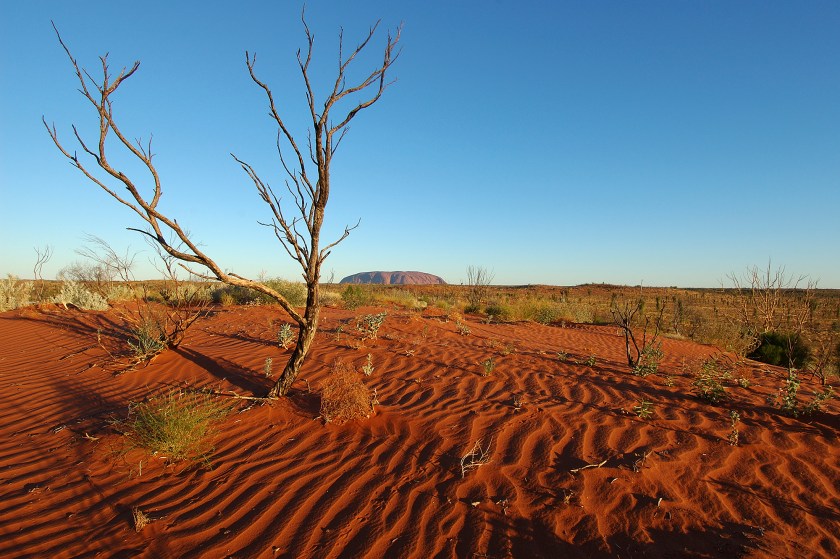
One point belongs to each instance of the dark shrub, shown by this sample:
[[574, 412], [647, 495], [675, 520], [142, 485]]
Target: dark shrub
[[778, 348]]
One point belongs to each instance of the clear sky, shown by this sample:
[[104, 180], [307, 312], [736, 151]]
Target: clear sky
[[556, 142]]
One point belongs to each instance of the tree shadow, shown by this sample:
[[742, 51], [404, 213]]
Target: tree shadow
[[731, 540]]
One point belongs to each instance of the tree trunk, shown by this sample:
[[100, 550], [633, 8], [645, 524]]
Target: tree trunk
[[306, 335]]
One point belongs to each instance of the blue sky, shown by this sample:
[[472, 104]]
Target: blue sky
[[669, 143]]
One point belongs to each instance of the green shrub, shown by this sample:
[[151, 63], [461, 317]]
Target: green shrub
[[369, 324], [649, 360], [708, 381], [294, 292], [233, 295], [75, 294], [355, 296], [782, 349], [148, 338], [14, 293], [498, 312], [175, 425]]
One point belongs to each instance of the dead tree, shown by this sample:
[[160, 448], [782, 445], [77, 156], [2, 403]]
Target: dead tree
[[308, 183], [626, 316]]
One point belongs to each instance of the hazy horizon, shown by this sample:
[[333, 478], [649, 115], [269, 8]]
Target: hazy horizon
[[556, 143]]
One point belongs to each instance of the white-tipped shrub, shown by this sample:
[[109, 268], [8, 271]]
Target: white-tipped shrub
[[14, 293], [74, 293]]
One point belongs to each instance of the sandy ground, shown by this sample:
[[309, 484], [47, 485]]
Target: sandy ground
[[284, 484]]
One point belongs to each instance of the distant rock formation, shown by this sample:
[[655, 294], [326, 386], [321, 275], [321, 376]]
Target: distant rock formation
[[395, 278]]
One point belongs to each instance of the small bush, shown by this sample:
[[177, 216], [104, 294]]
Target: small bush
[[643, 409], [708, 381], [498, 312], [487, 367], [285, 335], [75, 294], [175, 425], [14, 293], [344, 396], [370, 324], [355, 296], [294, 292], [148, 338], [648, 360], [786, 399], [784, 350]]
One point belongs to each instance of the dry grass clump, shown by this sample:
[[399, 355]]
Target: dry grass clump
[[175, 425], [344, 396], [141, 519]]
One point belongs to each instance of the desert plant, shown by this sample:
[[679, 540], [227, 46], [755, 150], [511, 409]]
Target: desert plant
[[175, 425], [308, 186], [820, 398], [591, 361], [478, 282], [75, 294], [369, 325], [267, 367], [284, 335], [141, 519], [355, 296], [344, 396], [14, 293], [786, 399], [625, 316], [734, 418], [368, 368], [782, 349], [708, 381], [147, 338], [462, 328], [475, 457], [648, 362], [487, 367], [643, 409]]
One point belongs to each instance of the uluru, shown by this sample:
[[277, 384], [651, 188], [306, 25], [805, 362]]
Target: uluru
[[395, 278]]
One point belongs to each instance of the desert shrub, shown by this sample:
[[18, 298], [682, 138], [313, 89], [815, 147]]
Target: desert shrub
[[649, 358], [148, 338], [643, 409], [122, 292], [488, 366], [294, 292], [330, 298], [74, 293], [355, 296], [14, 293], [708, 381], [544, 312], [401, 297], [472, 308], [175, 425], [344, 396], [782, 349], [369, 325], [498, 312], [285, 335], [786, 399]]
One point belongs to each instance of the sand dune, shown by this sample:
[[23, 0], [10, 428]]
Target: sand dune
[[283, 484]]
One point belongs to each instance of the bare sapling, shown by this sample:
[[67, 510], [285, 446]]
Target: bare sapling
[[628, 315], [307, 170]]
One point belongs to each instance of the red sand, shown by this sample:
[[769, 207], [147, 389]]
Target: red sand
[[286, 485]]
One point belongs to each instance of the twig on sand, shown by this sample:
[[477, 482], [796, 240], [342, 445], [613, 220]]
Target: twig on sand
[[236, 395], [576, 470]]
